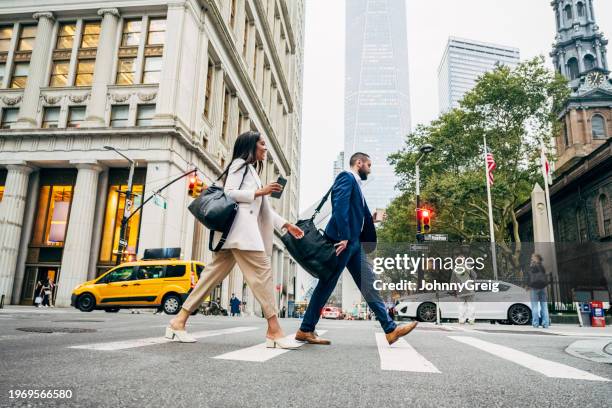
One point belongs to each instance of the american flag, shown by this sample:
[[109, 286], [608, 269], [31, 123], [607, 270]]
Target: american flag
[[490, 167]]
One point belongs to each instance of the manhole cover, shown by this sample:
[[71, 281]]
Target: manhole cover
[[518, 332], [55, 330]]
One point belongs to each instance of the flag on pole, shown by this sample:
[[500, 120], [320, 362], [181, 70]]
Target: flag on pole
[[546, 171], [490, 167]]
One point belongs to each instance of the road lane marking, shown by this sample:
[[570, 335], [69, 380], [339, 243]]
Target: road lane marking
[[401, 356], [540, 365], [127, 344], [260, 353]]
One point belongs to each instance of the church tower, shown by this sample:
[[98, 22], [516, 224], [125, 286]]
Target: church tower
[[579, 54]]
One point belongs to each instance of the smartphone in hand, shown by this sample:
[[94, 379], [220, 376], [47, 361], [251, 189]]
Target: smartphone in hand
[[282, 181]]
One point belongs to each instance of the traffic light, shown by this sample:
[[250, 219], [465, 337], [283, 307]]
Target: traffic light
[[423, 220], [199, 186], [195, 186], [192, 184], [426, 220]]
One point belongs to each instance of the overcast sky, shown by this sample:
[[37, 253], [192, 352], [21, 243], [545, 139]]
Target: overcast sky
[[526, 24]]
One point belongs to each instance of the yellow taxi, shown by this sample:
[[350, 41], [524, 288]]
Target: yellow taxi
[[159, 283]]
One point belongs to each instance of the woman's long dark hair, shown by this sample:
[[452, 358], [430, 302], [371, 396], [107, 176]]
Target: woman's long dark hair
[[245, 148]]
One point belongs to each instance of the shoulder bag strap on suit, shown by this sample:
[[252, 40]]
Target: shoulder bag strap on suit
[[323, 200], [226, 232]]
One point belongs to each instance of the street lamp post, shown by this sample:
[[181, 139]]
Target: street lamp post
[[127, 207], [425, 149]]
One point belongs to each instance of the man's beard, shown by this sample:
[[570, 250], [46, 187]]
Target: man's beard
[[362, 174]]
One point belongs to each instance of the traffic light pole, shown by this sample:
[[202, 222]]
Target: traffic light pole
[[419, 227], [126, 214]]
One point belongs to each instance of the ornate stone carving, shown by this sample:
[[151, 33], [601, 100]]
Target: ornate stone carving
[[52, 99], [11, 100], [112, 11], [78, 98], [146, 97], [45, 14], [120, 97]]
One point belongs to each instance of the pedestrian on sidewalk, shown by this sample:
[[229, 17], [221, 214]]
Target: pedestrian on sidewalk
[[538, 279], [234, 305], [47, 293], [465, 296], [248, 242], [38, 294]]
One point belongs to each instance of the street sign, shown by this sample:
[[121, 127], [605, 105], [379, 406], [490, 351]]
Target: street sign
[[436, 237], [123, 243], [160, 202], [416, 247]]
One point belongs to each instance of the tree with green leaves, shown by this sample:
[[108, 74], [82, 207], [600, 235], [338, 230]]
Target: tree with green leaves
[[516, 109]]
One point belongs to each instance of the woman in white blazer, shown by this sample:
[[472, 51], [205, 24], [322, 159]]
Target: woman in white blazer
[[249, 242]]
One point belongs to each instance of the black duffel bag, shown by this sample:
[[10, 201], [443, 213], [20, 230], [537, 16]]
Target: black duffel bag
[[314, 252], [216, 210]]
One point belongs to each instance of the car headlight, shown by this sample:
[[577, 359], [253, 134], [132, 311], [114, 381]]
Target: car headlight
[[77, 286]]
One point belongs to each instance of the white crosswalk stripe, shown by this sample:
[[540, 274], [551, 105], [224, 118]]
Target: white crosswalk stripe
[[259, 353], [127, 344], [540, 365], [401, 356]]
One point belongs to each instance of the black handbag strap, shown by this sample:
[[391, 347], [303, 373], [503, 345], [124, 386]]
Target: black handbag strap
[[246, 168], [231, 221], [323, 200]]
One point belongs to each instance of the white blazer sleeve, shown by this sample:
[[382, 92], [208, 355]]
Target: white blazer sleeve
[[234, 178], [277, 220]]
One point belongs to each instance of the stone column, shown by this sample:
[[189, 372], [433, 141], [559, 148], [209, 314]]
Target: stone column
[[587, 6], [598, 53], [166, 227], [12, 208], [98, 225], [169, 81], [77, 248], [26, 235], [103, 67], [580, 56], [37, 78]]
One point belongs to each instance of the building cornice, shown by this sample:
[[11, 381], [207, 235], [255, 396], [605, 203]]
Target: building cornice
[[219, 24]]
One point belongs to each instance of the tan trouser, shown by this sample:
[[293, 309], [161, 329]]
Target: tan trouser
[[256, 268]]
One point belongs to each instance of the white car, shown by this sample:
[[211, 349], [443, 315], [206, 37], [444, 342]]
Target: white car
[[511, 304]]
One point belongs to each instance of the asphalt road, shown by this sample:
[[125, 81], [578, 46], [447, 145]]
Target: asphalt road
[[122, 360]]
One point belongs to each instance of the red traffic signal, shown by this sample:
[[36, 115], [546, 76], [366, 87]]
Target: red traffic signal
[[195, 186], [423, 220]]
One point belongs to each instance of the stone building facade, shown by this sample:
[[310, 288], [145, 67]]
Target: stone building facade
[[170, 85]]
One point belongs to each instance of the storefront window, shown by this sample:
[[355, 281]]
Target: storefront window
[[115, 205], [53, 211]]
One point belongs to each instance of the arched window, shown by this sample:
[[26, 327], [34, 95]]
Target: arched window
[[568, 13], [582, 227], [598, 124], [574, 70], [589, 62], [605, 214], [580, 7]]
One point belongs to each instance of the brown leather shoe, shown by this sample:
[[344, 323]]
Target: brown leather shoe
[[400, 331], [310, 338]]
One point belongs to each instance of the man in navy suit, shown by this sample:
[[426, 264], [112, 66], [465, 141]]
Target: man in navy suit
[[350, 226]]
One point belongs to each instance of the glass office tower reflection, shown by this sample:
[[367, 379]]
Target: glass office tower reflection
[[377, 103]]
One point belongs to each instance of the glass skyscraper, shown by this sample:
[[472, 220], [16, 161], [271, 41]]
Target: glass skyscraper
[[377, 102], [463, 62]]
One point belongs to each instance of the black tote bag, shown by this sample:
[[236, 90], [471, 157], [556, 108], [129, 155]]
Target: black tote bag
[[216, 210], [314, 252]]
